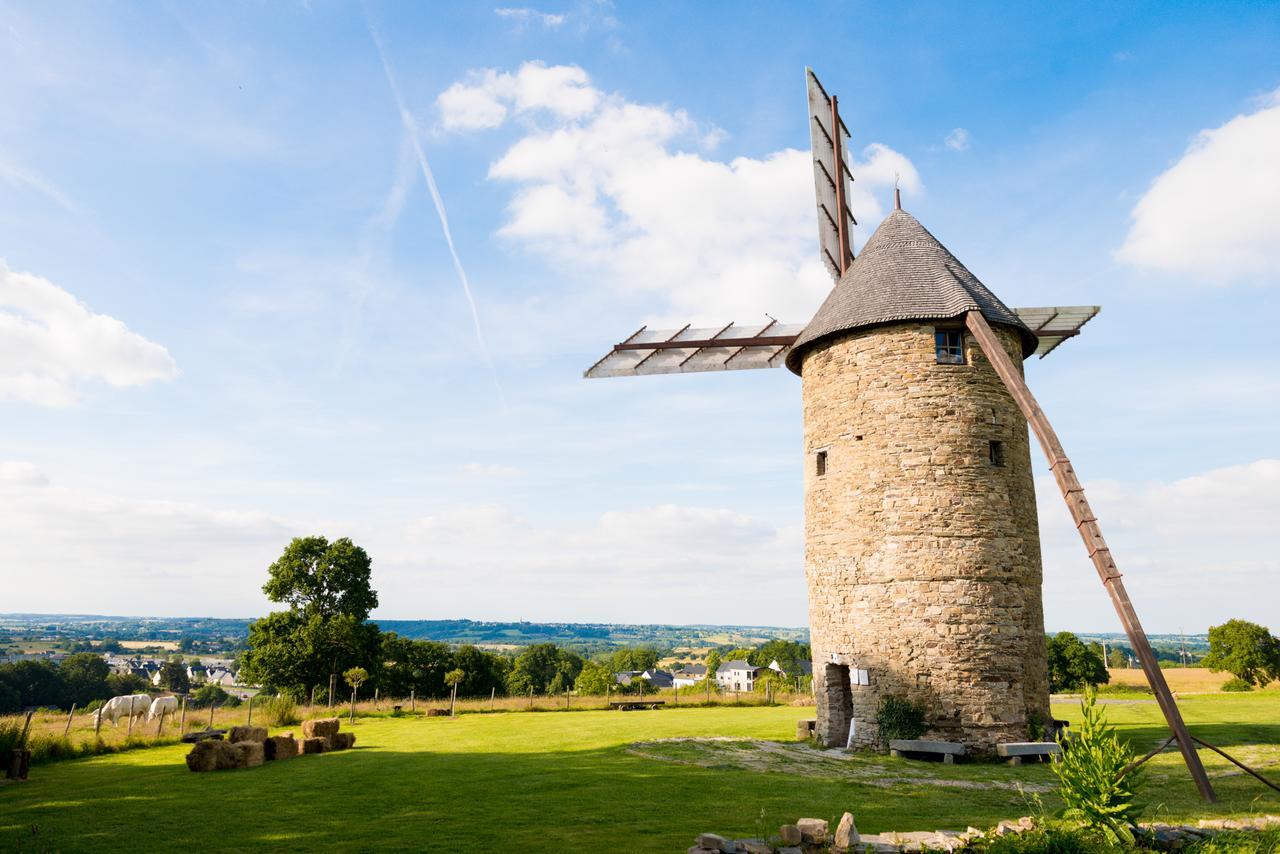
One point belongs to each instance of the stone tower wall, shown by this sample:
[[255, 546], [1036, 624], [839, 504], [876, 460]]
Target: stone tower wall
[[922, 556]]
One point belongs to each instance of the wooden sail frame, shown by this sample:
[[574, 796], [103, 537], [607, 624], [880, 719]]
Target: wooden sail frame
[[1091, 533]]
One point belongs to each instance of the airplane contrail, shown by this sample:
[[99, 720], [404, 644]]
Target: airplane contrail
[[411, 128]]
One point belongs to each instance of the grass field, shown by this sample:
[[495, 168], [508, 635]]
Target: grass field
[[588, 781], [1180, 679]]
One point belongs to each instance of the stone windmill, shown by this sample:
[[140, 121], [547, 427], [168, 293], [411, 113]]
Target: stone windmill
[[922, 550]]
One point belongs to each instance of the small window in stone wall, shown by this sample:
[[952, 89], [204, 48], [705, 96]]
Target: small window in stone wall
[[820, 463], [949, 346], [995, 452]]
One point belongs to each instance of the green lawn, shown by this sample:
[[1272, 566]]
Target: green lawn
[[568, 781]]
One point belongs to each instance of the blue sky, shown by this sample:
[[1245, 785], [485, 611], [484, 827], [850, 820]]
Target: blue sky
[[229, 314]]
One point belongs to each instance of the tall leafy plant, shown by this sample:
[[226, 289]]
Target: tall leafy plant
[[1091, 776]]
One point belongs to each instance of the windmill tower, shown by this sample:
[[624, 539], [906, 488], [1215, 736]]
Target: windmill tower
[[922, 552]]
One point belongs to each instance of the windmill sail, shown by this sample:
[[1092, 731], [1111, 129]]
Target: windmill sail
[[831, 177], [1055, 324], [697, 350]]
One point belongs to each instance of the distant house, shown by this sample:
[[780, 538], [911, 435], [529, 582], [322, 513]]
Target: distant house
[[658, 678], [737, 675], [624, 677], [803, 668], [689, 675], [221, 677]]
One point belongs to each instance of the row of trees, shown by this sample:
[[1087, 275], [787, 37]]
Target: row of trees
[[80, 679]]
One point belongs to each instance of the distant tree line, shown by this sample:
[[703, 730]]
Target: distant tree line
[[81, 678]]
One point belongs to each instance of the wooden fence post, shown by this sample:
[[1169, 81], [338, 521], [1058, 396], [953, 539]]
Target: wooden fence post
[[250, 721], [67, 730], [375, 698], [332, 676], [707, 679], [160, 725], [312, 704], [493, 692], [566, 698], [212, 705], [675, 692], [353, 705], [129, 733], [182, 721], [413, 700], [531, 697]]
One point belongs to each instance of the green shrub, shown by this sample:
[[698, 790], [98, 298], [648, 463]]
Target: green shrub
[[1091, 778], [280, 711], [1043, 840], [1235, 683], [899, 718]]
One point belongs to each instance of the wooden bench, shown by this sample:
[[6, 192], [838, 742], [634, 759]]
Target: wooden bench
[[948, 750], [1016, 751], [635, 705]]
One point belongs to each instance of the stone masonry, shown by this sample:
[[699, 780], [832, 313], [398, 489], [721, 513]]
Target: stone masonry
[[922, 554]]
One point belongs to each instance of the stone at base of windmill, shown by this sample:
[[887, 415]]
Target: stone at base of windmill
[[905, 747]]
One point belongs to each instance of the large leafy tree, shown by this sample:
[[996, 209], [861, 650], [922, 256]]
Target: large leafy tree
[[594, 679], [85, 676], [317, 577], [325, 632], [1246, 650], [1073, 664], [544, 668], [173, 675]]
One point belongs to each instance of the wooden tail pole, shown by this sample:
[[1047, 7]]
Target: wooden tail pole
[[1091, 533]]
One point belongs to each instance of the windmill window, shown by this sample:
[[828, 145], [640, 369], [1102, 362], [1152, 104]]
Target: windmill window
[[820, 463], [949, 345], [995, 452]]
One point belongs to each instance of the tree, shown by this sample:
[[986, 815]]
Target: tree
[[315, 576], [1117, 659], [120, 684], [206, 694], [355, 677], [1246, 650], [85, 676], [327, 588], [634, 658], [713, 663], [1072, 664], [594, 679], [486, 671], [173, 675], [37, 683], [544, 668]]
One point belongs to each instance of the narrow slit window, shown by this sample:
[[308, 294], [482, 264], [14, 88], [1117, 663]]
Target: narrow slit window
[[820, 463], [949, 345], [995, 452]]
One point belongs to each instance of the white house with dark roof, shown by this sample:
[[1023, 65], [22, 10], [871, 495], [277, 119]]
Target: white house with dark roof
[[737, 675], [689, 675]]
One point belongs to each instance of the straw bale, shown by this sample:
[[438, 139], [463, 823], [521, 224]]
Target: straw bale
[[311, 745], [252, 753], [214, 755], [320, 727], [247, 733], [343, 740], [280, 747]]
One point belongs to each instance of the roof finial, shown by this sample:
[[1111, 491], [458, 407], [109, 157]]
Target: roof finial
[[897, 194]]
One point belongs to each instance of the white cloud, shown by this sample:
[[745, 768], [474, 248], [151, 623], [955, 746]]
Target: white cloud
[[1194, 551], [485, 99], [489, 470], [547, 20], [623, 192], [83, 550], [958, 140], [670, 561], [17, 176], [1215, 214], [50, 342]]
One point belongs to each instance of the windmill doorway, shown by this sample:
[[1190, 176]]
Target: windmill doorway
[[835, 718]]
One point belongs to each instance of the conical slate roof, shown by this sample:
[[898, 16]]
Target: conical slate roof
[[903, 274]]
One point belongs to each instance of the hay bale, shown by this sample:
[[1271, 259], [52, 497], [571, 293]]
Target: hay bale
[[343, 740], [251, 752], [437, 713], [247, 733], [320, 727], [280, 747], [311, 745], [214, 755]]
